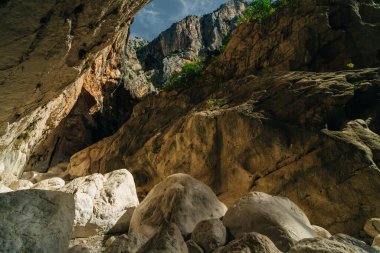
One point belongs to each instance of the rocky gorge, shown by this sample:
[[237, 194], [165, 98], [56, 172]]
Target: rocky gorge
[[274, 148]]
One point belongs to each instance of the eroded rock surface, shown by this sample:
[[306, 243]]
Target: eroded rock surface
[[311, 137], [36, 221], [51, 53], [102, 203]]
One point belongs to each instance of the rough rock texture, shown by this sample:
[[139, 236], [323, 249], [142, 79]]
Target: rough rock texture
[[179, 199], [40, 59], [136, 80], [35, 221], [376, 243], [311, 137], [49, 52], [250, 243], [372, 227], [168, 240], [355, 243], [93, 244], [320, 231], [210, 234], [127, 243], [188, 39], [278, 218], [51, 184], [21, 185], [331, 245], [4, 188], [306, 35], [193, 247], [102, 203]]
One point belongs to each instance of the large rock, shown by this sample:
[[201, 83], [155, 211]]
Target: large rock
[[356, 244], [130, 243], [210, 234], [35, 221], [103, 202], [168, 240], [331, 245], [250, 243], [372, 227], [278, 218], [179, 199], [376, 243]]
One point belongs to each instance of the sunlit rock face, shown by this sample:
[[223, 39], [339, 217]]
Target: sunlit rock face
[[51, 52], [188, 39]]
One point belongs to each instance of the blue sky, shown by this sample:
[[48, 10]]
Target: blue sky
[[160, 14]]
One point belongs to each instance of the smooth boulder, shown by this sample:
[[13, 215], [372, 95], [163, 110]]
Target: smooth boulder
[[179, 199], [35, 221], [276, 217], [210, 234], [103, 203]]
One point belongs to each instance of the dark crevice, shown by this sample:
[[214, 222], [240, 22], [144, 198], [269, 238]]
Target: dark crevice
[[362, 102], [3, 3]]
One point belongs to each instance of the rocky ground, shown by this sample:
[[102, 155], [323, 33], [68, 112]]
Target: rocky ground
[[276, 148]]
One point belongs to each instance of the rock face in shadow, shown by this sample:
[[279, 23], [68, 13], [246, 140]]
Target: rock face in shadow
[[306, 35], [36, 221], [47, 46], [179, 199], [51, 53]]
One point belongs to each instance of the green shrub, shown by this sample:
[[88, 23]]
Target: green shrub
[[189, 73], [350, 65], [260, 9]]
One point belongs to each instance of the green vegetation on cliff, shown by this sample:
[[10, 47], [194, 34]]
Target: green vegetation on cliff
[[260, 9]]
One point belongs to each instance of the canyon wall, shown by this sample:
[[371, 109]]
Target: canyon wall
[[50, 51]]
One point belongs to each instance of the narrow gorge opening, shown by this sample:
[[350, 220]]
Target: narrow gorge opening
[[138, 69], [189, 126]]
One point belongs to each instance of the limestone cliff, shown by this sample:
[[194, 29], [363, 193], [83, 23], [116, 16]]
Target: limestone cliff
[[313, 137], [50, 50], [188, 39]]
